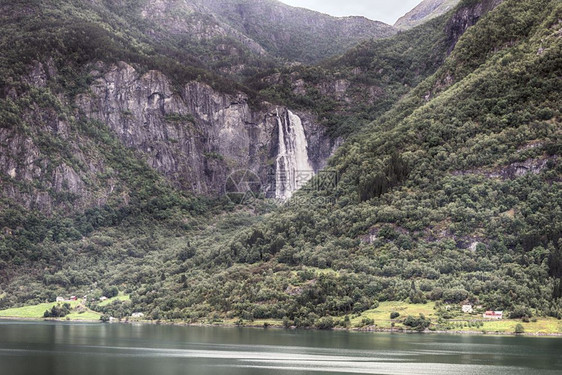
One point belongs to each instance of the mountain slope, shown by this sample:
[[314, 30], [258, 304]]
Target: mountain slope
[[296, 34], [351, 90], [451, 194], [236, 35], [439, 198], [425, 11]]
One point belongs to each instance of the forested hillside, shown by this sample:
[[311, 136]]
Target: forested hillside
[[447, 178], [452, 195]]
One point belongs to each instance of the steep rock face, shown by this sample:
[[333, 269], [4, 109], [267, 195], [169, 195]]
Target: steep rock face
[[466, 17], [189, 19], [195, 136], [425, 11], [463, 18], [48, 165]]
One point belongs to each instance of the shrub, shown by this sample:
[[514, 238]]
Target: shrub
[[419, 324], [58, 311], [367, 321], [325, 323]]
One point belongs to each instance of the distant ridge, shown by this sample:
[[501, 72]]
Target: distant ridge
[[296, 34], [425, 11]]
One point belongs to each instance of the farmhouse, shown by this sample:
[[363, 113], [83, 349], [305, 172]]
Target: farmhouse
[[467, 309], [493, 315]]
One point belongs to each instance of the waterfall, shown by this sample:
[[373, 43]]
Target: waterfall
[[293, 169]]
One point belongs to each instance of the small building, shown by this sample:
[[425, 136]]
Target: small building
[[467, 309], [497, 315], [73, 298], [137, 315], [60, 299], [104, 298]]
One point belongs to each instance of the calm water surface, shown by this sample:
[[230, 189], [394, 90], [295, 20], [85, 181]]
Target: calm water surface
[[69, 348]]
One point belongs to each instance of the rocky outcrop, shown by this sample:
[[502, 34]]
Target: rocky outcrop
[[463, 18], [425, 11], [513, 170], [51, 167], [191, 20], [194, 136], [466, 17]]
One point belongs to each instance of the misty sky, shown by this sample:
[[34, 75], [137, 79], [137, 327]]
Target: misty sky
[[379, 10]]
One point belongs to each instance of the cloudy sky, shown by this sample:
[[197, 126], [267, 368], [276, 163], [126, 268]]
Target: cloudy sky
[[380, 10]]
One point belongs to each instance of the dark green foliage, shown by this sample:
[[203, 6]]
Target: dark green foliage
[[520, 312], [325, 323], [373, 184], [58, 311], [388, 68], [104, 318], [419, 324], [176, 117], [110, 292]]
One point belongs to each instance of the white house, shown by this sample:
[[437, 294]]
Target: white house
[[467, 309], [137, 315], [60, 299]]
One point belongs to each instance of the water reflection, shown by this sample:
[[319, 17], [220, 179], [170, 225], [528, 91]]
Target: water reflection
[[62, 348]]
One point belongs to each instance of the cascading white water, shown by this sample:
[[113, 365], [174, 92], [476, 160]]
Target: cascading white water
[[293, 168]]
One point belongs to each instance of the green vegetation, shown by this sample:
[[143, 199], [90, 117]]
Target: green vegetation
[[296, 34], [34, 311], [377, 73], [109, 301], [461, 225], [417, 323], [176, 117], [57, 311], [450, 196], [72, 310]]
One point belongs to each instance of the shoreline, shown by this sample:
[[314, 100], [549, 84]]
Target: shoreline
[[279, 327]]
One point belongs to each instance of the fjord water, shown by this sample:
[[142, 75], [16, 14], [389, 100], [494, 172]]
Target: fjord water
[[78, 348]]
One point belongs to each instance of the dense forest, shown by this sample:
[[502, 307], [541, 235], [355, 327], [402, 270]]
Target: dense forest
[[448, 179]]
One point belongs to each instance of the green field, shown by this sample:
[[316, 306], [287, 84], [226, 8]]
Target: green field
[[542, 325], [37, 311], [381, 316], [86, 315]]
